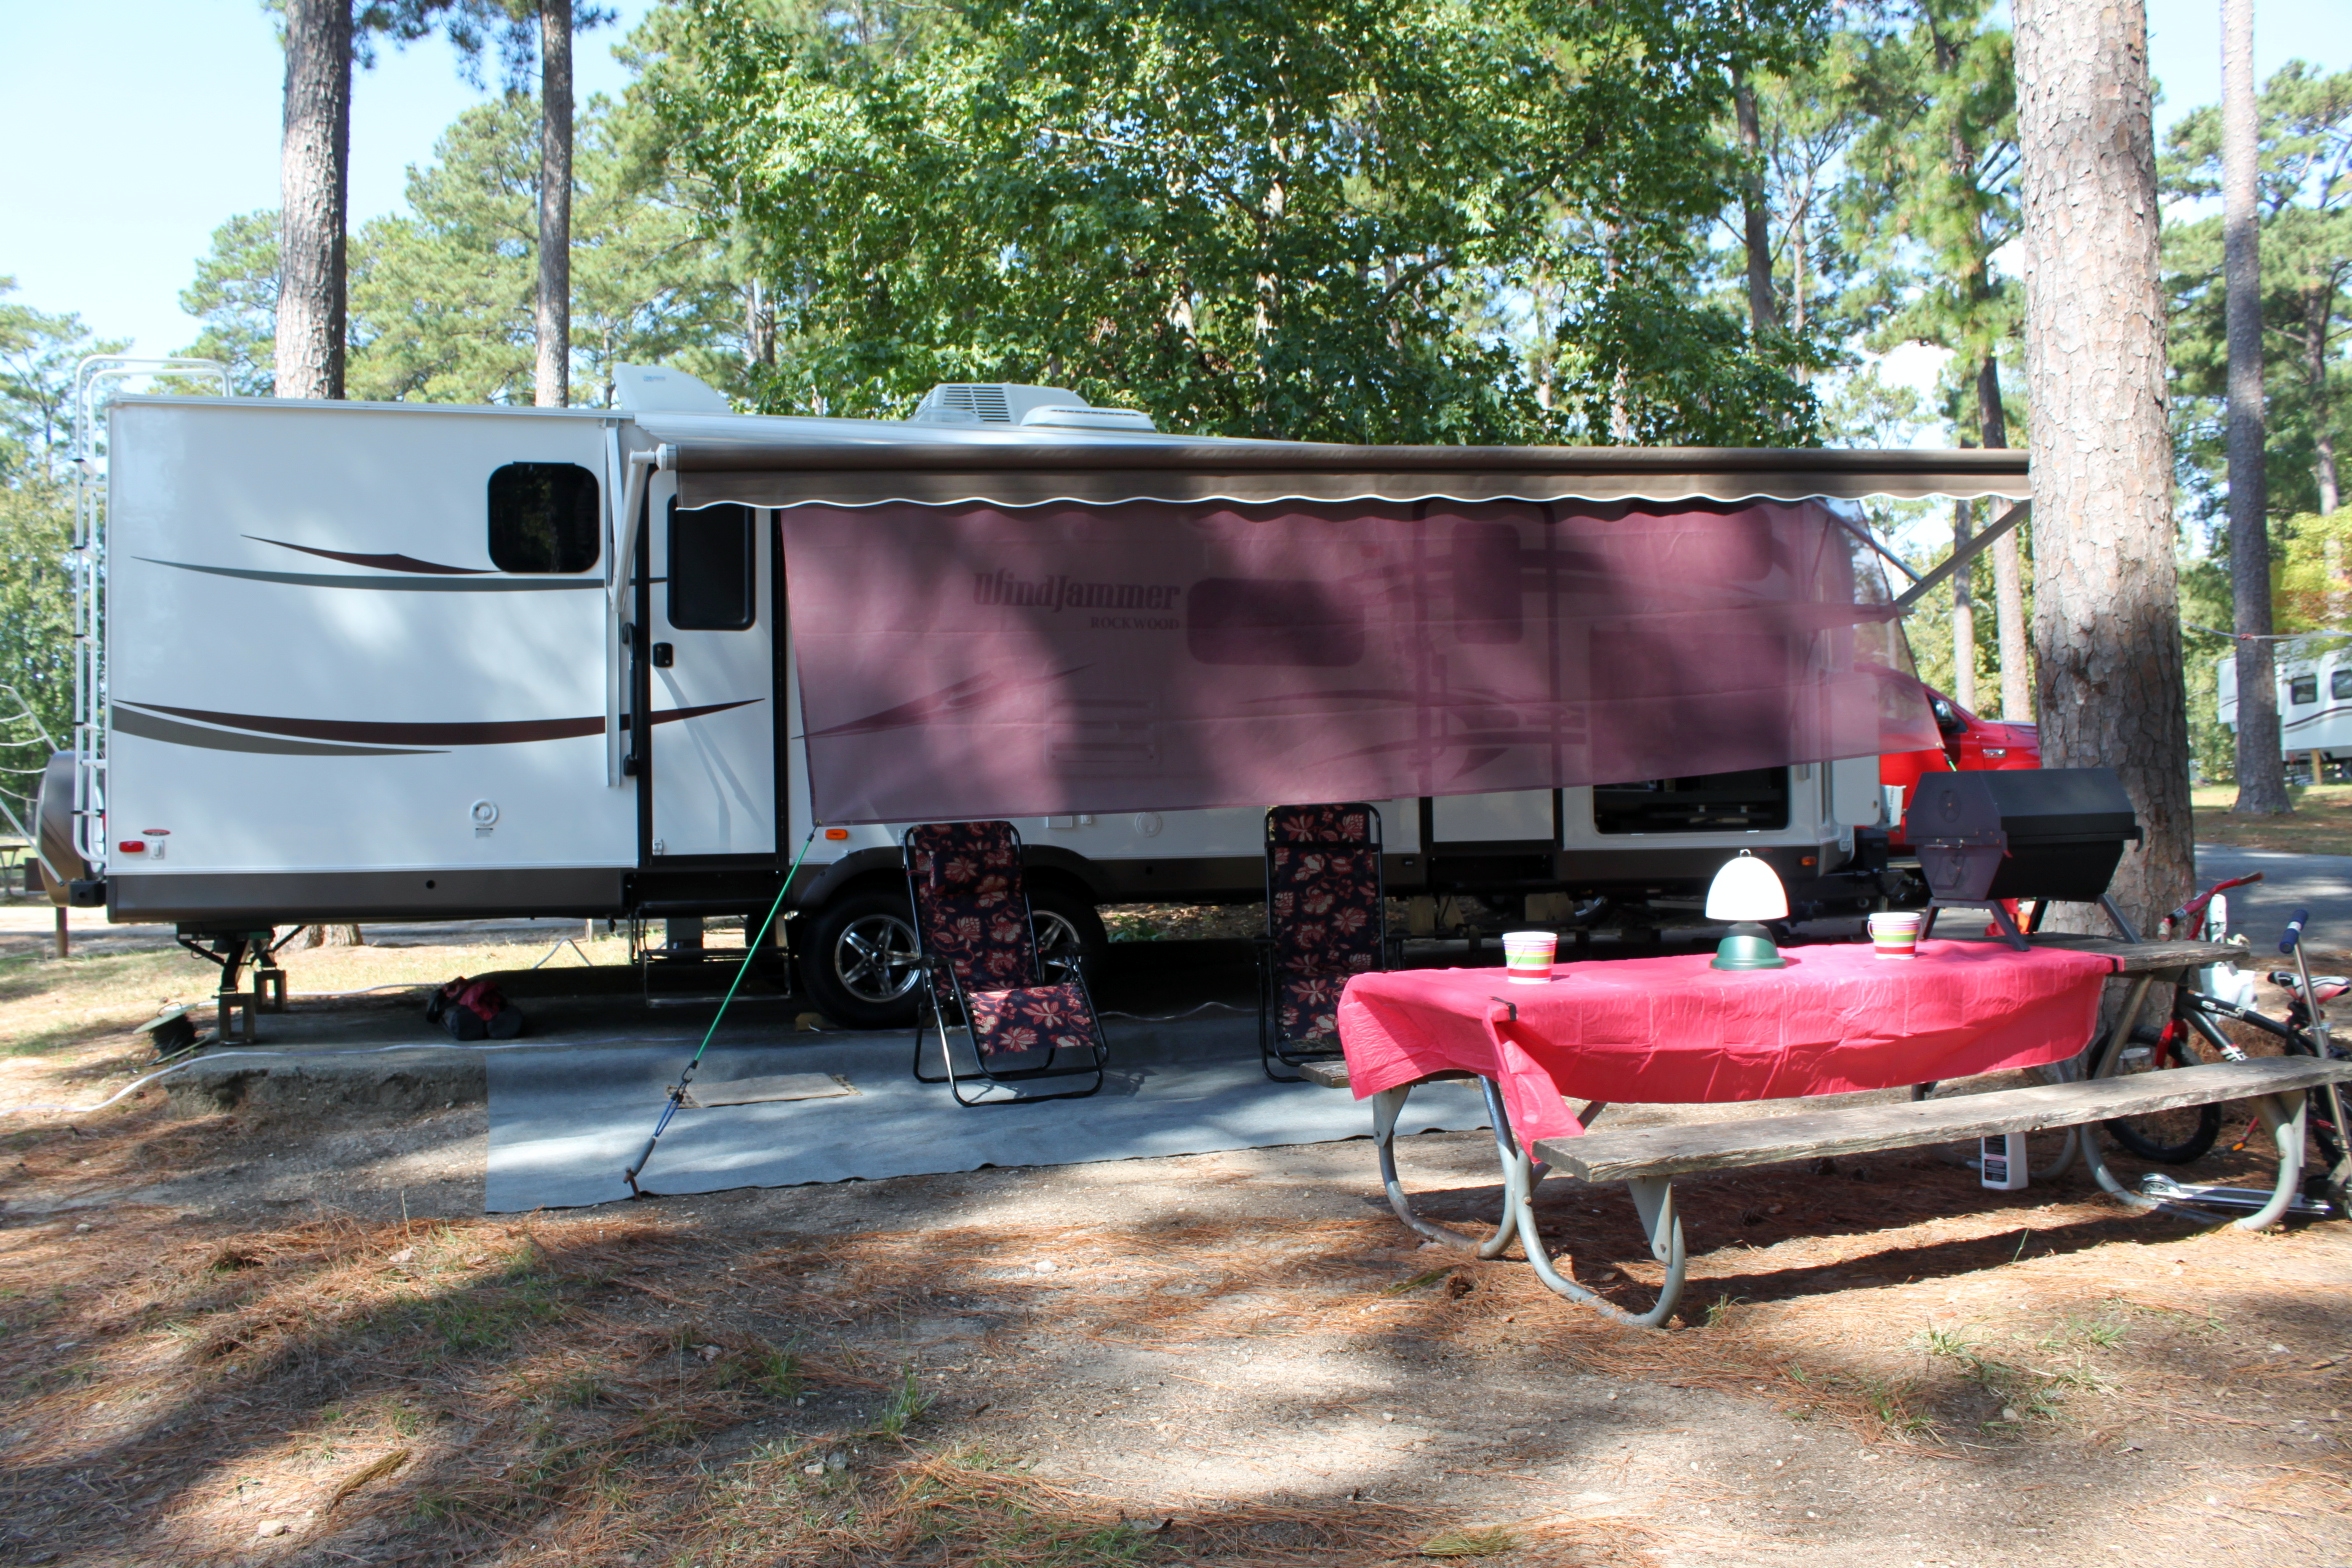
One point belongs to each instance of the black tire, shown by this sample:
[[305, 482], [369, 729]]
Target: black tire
[[1070, 936], [859, 962], [2173, 1137], [860, 966]]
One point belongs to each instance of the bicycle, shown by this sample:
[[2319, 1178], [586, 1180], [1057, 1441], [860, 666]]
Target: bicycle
[[2192, 1034]]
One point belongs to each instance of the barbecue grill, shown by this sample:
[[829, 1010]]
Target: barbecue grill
[[2048, 834]]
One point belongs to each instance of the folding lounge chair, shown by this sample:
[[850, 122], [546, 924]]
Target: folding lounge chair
[[1326, 919], [974, 934]]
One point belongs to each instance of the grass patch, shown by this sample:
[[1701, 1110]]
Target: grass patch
[[2320, 825], [1492, 1542], [906, 1404]]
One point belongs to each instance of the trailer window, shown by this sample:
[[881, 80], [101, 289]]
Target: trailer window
[[1743, 802], [2340, 683], [543, 518], [2303, 689], [711, 555]]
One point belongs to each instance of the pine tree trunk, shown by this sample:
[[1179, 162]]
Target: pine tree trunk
[[554, 378], [1755, 214], [2106, 595], [2319, 305], [331, 936], [314, 190], [2017, 682], [2262, 779], [1963, 614]]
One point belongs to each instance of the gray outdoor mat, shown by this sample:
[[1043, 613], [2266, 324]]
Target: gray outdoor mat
[[706, 1093], [564, 1121]]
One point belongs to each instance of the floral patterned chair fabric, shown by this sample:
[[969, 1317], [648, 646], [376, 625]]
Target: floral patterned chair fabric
[[1325, 920], [971, 914], [979, 950]]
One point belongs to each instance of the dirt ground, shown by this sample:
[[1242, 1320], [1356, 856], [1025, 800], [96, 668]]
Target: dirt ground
[[240, 1338]]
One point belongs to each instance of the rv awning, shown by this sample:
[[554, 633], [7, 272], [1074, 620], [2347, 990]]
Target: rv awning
[[1013, 470], [975, 659]]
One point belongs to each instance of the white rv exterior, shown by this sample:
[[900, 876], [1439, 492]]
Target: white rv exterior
[[333, 689], [2314, 697]]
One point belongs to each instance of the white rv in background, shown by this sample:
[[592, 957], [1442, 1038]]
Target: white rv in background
[[370, 662], [2314, 697]]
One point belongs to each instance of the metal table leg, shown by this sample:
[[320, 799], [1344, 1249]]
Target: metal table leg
[[1517, 1170], [1653, 1200], [2285, 1113]]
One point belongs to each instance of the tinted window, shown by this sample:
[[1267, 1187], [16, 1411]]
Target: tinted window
[[711, 555], [2340, 683], [2303, 689], [543, 518], [1708, 803]]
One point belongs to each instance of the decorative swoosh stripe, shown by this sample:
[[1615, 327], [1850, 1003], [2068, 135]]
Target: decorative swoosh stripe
[[385, 563], [150, 726], [462, 733], [420, 584], [2334, 711]]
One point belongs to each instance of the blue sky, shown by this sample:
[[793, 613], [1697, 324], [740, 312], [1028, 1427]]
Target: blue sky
[[141, 124]]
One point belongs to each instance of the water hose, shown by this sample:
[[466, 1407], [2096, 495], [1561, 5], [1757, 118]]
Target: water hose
[[678, 1091]]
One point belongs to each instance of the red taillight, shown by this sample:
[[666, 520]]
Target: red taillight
[[133, 846]]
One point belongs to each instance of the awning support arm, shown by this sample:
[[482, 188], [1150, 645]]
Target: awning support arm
[[1962, 556], [1862, 532]]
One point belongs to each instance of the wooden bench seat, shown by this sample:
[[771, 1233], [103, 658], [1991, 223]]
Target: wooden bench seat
[[1626, 1153]]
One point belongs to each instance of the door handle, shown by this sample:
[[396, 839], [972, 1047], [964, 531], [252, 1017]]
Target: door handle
[[662, 656]]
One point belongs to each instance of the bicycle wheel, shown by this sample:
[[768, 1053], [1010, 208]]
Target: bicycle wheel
[[2325, 1134], [2173, 1137]]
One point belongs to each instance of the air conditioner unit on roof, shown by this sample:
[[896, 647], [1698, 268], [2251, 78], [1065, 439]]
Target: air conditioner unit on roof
[[1005, 403]]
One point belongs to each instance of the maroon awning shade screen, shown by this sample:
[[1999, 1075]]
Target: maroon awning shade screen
[[973, 660]]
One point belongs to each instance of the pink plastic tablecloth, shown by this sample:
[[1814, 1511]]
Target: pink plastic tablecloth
[[1837, 1019]]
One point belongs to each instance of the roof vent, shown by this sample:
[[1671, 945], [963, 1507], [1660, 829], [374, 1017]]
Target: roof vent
[[1006, 403], [1080, 416], [657, 389], [965, 403]]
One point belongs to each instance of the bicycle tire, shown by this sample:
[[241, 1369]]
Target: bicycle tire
[[2329, 1139], [2174, 1137]]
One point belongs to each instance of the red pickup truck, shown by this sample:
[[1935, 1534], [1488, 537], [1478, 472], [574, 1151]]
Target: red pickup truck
[[1971, 745]]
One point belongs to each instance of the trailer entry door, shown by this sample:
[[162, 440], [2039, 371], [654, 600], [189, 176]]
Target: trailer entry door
[[713, 682]]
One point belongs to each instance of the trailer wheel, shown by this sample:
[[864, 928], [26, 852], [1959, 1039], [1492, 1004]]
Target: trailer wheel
[[861, 966], [1070, 936]]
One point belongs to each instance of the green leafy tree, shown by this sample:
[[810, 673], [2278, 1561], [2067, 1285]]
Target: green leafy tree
[[2305, 162], [443, 294], [38, 353], [1327, 218], [1931, 198], [235, 296], [1795, 131]]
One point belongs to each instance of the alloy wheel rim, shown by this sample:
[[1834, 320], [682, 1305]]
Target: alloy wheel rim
[[875, 959]]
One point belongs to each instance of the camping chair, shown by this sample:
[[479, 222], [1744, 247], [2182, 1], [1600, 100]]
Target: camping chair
[[978, 947], [1326, 919]]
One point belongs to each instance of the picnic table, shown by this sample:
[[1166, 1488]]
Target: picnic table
[[1837, 1020]]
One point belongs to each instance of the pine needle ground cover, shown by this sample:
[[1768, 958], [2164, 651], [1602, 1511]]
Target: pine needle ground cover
[[1231, 1359]]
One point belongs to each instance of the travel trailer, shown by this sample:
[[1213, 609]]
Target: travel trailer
[[2314, 697], [352, 662]]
